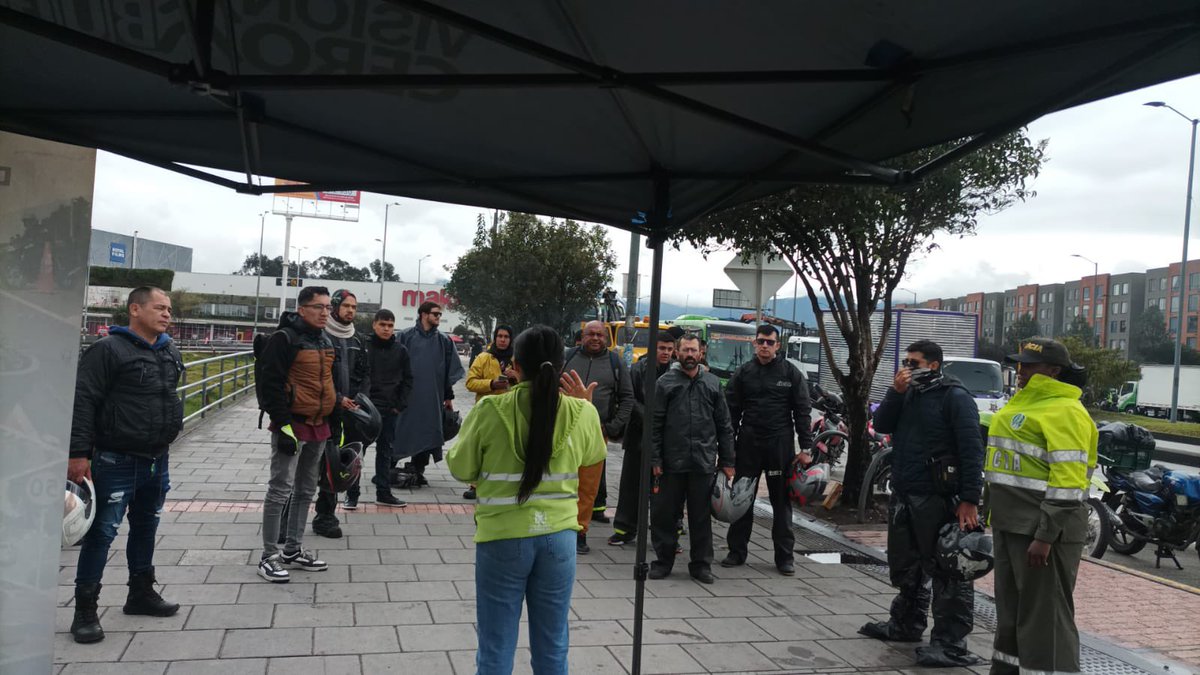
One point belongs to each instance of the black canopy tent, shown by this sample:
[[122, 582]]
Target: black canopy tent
[[644, 116]]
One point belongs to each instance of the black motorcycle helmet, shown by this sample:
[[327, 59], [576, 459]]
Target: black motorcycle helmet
[[343, 465], [366, 419], [964, 555]]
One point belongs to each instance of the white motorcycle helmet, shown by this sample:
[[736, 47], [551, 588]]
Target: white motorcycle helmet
[[732, 499], [79, 510]]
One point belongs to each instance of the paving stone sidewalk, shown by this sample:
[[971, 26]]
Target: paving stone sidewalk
[[399, 593]]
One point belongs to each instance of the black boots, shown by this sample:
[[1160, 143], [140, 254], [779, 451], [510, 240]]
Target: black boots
[[86, 625], [144, 600]]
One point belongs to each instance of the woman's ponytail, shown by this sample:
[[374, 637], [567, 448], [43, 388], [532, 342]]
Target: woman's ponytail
[[539, 352]]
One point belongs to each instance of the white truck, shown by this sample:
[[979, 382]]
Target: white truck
[[982, 377], [1151, 396], [954, 331], [805, 352]]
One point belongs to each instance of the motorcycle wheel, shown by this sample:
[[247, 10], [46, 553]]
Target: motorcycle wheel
[[876, 486], [1099, 530], [1123, 542]]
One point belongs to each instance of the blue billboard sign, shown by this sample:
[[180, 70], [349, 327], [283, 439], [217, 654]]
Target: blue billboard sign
[[116, 253]]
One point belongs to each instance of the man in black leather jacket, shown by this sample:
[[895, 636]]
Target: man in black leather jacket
[[768, 401], [937, 478], [691, 438], [126, 414]]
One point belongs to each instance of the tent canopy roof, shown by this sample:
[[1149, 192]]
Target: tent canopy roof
[[594, 111]]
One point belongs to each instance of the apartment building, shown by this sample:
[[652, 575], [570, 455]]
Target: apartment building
[[1126, 300]]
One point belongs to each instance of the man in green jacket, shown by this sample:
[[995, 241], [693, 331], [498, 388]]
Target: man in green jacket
[[1041, 453]]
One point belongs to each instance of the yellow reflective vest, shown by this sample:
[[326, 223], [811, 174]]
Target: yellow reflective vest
[[490, 452], [1040, 457]]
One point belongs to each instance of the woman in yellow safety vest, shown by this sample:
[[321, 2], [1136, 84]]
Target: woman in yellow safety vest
[[1040, 457], [523, 450]]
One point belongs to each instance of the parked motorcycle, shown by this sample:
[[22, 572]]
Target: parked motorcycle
[[829, 431], [1144, 504]]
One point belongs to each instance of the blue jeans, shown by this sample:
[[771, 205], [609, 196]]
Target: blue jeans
[[124, 483], [539, 571]]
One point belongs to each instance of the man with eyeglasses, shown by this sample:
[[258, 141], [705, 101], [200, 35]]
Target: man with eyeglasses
[[768, 400], [436, 366], [297, 393], [937, 478]]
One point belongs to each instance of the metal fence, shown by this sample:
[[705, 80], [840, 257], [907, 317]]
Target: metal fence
[[233, 375]]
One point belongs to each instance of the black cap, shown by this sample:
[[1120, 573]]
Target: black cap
[[1043, 350]]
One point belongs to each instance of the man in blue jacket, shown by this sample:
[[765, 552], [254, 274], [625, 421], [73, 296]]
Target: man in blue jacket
[[937, 478]]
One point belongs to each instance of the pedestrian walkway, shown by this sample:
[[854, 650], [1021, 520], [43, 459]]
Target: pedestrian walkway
[[399, 593]]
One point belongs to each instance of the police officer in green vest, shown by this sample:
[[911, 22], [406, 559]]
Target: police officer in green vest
[[1041, 453]]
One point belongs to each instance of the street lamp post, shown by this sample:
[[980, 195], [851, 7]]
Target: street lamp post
[[383, 255], [1095, 295], [1187, 224], [297, 249], [906, 290], [262, 228], [419, 270]]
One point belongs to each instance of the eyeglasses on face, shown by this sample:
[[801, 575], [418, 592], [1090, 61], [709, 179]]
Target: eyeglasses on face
[[765, 341], [910, 363], [319, 308], [435, 313]]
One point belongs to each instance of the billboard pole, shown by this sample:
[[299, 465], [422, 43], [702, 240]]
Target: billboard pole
[[287, 241]]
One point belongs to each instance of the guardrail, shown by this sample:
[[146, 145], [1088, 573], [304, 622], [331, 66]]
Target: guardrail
[[227, 382]]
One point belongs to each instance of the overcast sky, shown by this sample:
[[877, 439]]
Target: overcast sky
[[1113, 190]]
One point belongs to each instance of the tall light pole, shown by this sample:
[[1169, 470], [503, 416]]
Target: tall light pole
[[1095, 298], [1187, 224], [419, 270], [262, 228], [907, 290], [383, 255], [297, 249]]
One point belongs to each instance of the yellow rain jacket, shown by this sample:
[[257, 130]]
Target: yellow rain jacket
[[490, 452], [1040, 458]]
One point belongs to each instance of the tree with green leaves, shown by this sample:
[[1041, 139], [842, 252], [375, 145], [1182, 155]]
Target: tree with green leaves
[[851, 244], [992, 351], [1081, 330], [1106, 368], [1022, 329], [1151, 342], [336, 269], [255, 265], [525, 271], [388, 274]]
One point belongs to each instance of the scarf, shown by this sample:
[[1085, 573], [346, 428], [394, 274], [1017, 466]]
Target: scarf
[[924, 379], [503, 356], [338, 329]]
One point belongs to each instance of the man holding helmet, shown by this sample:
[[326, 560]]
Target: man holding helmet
[[768, 400], [937, 478], [351, 377], [690, 437], [126, 415]]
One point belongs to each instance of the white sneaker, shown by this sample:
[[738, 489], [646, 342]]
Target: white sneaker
[[303, 560], [271, 570]]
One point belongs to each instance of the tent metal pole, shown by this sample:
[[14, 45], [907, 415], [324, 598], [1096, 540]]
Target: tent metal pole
[[641, 570]]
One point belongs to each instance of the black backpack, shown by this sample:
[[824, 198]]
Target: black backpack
[[260, 343]]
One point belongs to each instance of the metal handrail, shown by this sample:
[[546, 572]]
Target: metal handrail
[[237, 375]]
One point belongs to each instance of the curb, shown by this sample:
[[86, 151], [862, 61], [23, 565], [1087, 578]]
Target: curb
[[1143, 575]]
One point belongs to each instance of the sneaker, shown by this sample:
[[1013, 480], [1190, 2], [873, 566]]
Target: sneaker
[[581, 545], [303, 560], [659, 570], [733, 560], [326, 526], [599, 516], [704, 576], [351, 503], [470, 493], [622, 538], [271, 570], [389, 499]]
